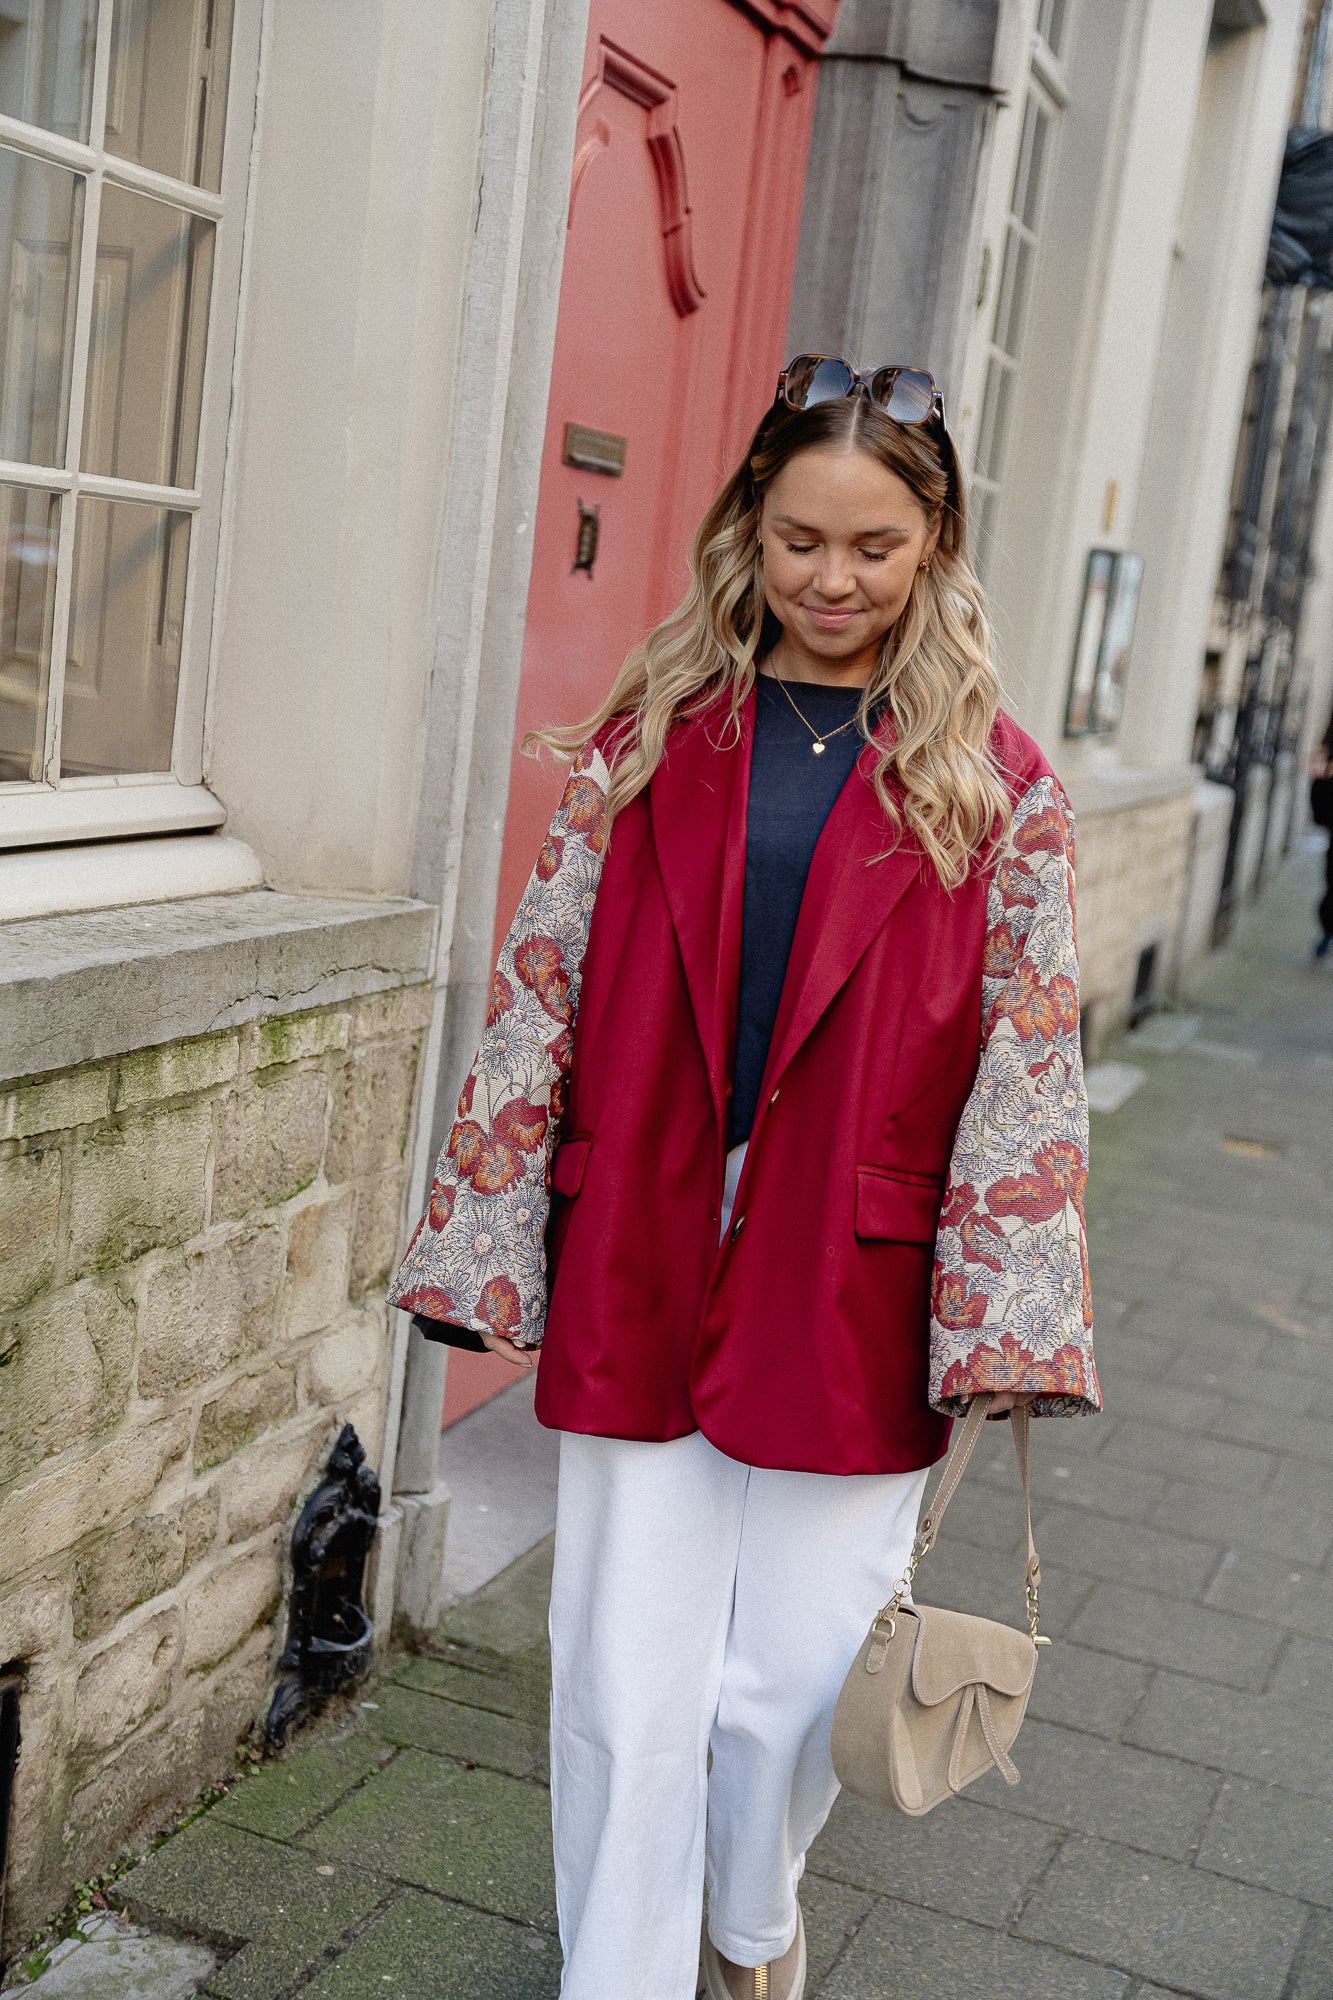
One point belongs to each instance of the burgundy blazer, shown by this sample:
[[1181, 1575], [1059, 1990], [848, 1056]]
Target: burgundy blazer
[[582, 1204]]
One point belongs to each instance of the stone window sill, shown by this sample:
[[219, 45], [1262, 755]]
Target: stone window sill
[[79, 988]]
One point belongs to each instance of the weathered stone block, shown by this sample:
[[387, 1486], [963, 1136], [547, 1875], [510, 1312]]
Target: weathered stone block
[[138, 1184], [347, 1361], [33, 1620], [203, 1312], [225, 1609], [261, 1485], [288, 1038], [67, 1371], [318, 1251], [270, 1140], [113, 1576], [51, 1513], [75, 1097], [378, 1239], [199, 1523], [29, 1224], [372, 1110], [37, 1884], [164, 1763], [253, 1404], [126, 1683], [177, 1070], [405, 1010]]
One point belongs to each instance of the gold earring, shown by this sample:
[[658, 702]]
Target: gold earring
[[923, 565]]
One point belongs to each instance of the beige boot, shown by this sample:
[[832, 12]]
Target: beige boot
[[781, 1979]]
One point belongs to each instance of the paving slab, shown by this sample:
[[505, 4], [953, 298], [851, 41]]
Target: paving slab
[[1276, 1838], [470, 1679], [1178, 1925], [964, 1858], [1257, 1736], [1295, 1596], [1276, 1520], [1151, 1447], [1167, 1632], [423, 1949], [1082, 1782], [282, 1799], [111, 1960], [1131, 1552], [469, 1735], [833, 1914], [219, 1882], [902, 1953], [477, 1836], [1304, 1675], [1311, 1975], [1086, 1690]]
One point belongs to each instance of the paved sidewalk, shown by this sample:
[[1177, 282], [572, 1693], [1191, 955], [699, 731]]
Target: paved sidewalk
[[1173, 1832]]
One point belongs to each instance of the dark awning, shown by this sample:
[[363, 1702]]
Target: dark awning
[[1300, 250]]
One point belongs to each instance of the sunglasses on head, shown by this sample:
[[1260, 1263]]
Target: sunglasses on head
[[908, 395]]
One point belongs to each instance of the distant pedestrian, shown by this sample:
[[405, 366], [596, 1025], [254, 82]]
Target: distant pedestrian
[[1321, 811], [784, 1082]]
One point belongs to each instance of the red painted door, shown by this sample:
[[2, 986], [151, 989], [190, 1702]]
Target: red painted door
[[689, 164]]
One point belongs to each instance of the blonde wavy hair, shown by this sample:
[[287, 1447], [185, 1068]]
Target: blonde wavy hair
[[936, 776]]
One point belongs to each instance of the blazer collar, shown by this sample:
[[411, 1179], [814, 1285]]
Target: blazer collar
[[699, 795], [860, 871]]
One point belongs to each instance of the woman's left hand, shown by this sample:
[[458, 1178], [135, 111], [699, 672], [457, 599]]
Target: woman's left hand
[[1007, 1400]]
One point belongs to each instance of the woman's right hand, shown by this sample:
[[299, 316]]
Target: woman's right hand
[[519, 1357]]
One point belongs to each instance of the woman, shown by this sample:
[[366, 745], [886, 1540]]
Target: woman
[[1321, 811], [801, 1031]]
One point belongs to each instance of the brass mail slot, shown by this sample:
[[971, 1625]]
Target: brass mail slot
[[594, 451]]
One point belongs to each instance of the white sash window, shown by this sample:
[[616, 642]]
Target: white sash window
[[123, 151]]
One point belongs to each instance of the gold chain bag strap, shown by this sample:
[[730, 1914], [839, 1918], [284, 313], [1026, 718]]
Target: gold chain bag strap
[[935, 1697]]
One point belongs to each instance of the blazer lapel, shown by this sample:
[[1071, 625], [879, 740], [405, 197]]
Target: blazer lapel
[[849, 894], [698, 796]]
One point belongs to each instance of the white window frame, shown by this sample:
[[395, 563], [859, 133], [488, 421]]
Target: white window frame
[[1045, 81], [56, 809]]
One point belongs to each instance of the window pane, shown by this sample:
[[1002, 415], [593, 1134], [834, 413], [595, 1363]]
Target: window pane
[[1041, 132], [994, 419], [1051, 24], [41, 210], [46, 63], [150, 322], [125, 638], [29, 524], [168, 89], [1014, 283]]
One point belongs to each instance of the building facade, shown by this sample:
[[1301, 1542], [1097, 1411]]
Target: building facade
[[1087, 192]]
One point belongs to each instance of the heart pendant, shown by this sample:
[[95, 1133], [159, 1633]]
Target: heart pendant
[[817, 748]]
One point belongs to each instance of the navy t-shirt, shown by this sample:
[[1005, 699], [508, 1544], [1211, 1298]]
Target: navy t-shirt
[[791, 795]]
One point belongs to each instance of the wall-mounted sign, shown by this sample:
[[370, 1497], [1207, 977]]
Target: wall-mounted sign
[[594, 451], [1101, 650]]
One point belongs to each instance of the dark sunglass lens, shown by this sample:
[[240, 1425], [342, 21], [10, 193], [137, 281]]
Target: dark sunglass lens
[[821, 380], [911, 397]]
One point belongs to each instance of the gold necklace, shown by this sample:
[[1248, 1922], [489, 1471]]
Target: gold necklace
[[818, 746]]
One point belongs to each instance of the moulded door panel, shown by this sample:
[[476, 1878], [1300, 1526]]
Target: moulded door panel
[[685, 202]]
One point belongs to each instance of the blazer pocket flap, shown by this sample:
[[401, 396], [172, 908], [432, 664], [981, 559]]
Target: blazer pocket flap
[[568, 1164], [901, 1210]]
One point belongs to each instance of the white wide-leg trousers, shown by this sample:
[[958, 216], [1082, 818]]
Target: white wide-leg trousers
[[699, 1604]]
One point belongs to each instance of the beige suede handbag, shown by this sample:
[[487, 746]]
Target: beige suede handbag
[[935, 1698]]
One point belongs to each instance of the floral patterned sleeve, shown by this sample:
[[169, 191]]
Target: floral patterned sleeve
[[477, 1257], [1011, 1305]]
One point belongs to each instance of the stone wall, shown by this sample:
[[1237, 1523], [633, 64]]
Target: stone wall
[[194, 1241], [1132, 874]]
